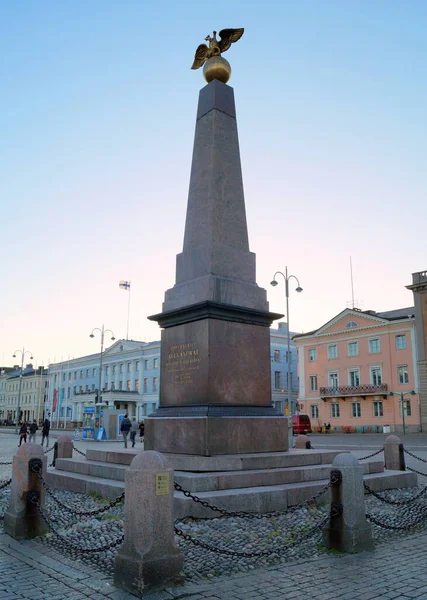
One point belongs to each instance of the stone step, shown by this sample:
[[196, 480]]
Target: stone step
[[254, 499], [238, 462], [92, 468]]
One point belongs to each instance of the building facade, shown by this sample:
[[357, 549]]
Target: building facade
[[130, 380], [354, 369], [31, 401]]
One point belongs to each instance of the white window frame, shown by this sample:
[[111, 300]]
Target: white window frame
[[312, 354], [349, 344], [375, 406], [335, 410], [314, 411], [276, 355], [359, 410], [277, 380], [404, 406], [379, 346], [335, 352], [354, 370], [404, 372], [330, 373], [313, 383], [401, 336], [373, 368]]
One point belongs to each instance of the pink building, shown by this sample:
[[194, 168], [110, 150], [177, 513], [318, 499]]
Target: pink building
[[349, 366]]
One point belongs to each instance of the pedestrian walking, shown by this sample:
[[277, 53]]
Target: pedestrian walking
[[23, 433], [133, 431], [125, 428], [46, 429], [33, 429], [141, 431]]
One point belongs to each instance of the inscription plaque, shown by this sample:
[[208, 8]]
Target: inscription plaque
[[183, 360], [162, 484]]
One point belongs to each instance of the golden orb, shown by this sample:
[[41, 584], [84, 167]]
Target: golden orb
[[217, 68]]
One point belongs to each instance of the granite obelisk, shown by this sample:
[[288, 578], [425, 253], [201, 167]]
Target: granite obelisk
[[215, 386]]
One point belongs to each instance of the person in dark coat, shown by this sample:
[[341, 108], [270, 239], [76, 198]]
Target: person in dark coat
[[46, 429], [23, 433], [125, 428], [141, 431], [33, 429]]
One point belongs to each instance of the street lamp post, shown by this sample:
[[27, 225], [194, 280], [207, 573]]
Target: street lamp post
[[402, 401], [102, 332], [287, 278], [23, 352]]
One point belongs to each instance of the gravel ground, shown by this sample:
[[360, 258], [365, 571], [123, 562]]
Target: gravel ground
[[237, 534]]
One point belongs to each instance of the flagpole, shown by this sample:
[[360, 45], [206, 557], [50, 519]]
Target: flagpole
[[66, 397], [127, 328]]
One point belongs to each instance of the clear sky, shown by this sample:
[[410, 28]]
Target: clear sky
[[97, 115]]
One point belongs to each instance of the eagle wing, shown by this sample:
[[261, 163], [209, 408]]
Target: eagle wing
[[200, 56], [228, 37]]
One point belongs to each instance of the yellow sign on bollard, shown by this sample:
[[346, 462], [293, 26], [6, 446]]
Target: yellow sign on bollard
[[162, 484]]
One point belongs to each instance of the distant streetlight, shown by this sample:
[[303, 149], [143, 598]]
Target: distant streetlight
[[98, 396], [23, 352], [402, 403], [298, 289]]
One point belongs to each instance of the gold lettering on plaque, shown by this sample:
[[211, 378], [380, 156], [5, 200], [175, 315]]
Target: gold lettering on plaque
[[162, 484], [182, 361]]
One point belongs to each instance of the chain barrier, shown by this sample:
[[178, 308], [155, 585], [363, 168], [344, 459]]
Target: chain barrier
[[49, 449], [79, 451], [34, 498], [371, 455], [415, 456], [406, 523], [278, 552], [5, 484], [247, 515], [6, 463], [415, 471], [85, 513], [392, 502]]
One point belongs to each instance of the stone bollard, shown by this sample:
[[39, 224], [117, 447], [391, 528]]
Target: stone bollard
[[349, 530], [65, 446], [394, 454], [302, 443], [149, 555], [21, 519]]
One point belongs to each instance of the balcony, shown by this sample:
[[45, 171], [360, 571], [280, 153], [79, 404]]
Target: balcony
[[348, 390]]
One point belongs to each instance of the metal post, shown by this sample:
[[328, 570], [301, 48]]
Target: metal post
[[97, 412], [19, 394], [403, 412]]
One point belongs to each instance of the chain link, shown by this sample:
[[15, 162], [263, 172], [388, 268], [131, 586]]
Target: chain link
[[419, 515], [79, 451], [415, 456], [415, 471], [6, 463], [247, 515], [49, 449], [371, 455], [277, 552], [67, 543], [392, 502], [5, 484]]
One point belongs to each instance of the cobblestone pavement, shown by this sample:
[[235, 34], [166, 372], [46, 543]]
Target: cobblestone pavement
[[393, 572]]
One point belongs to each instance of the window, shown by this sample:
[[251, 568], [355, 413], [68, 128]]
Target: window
[[376, 376], [335, 410], [120, 385], [87, 372], [75, 389], [277, 380], [354, 378], [353, 348], [276, 355], [333, 351], [69, 376], [155, 384], [80, 389], [113, 386], [121, 368], [93, 372], [406, 407], [313, 383], [288, 356], [400, 342], [63, 376], [333, 379], [86, 388], [145, 384], [107, 370], [137, 365], [374, 346], [312, 354], [145, 364], [355, 409], [128, 385], [402, 373], [93, 387], [378, 409], [156, 363], [137, 385], [351, 324], [129, 364], [75, 374], [314, 411]]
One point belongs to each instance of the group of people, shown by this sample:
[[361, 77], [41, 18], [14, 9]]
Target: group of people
[[32, 429], [127, 426]]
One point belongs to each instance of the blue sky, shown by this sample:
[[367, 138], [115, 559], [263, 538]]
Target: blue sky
[[97, 117]]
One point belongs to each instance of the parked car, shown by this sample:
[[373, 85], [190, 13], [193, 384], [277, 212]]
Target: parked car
[[301, 424]]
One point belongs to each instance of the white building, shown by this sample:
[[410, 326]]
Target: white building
[[33, 384]]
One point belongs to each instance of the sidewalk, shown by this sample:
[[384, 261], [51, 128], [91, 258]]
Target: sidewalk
[[394, 571]]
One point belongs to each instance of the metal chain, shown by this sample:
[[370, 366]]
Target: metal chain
[[79, 451], [49, 450], [406, 523], [415, 471], [371, 455], [98, 511], [246, 515], [4, 484], [415, 456], [6, 463], [392, 502], [63, 540], [277, 552]]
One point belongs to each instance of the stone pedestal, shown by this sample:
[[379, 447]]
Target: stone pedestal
[[215, 386], [21, 520], [65, 446], [394, 457], [149, 556]]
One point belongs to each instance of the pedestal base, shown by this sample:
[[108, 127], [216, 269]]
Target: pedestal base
[[214, 436]]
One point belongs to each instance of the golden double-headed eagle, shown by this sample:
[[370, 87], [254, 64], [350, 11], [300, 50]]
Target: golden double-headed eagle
[[216, 47]]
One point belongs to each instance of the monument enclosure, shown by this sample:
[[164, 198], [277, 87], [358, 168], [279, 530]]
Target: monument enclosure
[[215, 388]]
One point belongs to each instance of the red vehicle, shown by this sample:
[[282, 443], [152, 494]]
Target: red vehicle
[[301, 424]]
